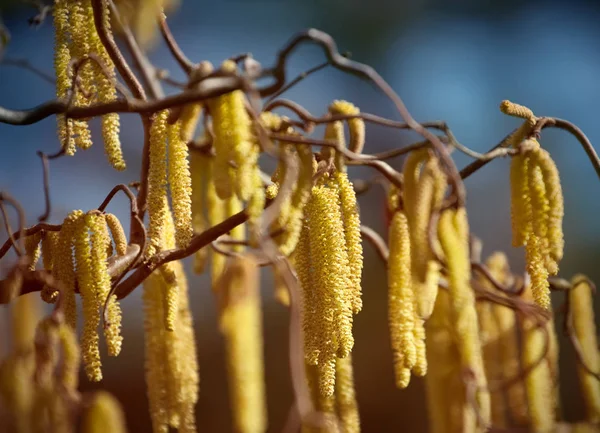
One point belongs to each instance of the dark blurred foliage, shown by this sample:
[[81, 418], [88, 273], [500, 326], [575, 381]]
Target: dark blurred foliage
[[449, 60]]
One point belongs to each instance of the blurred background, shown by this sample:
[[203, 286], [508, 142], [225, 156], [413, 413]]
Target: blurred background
[[452, 61]]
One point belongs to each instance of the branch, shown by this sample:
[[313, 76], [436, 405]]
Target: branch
[[209, 88], [186, 64]]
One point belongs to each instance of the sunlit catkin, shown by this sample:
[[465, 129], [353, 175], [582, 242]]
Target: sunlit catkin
[[62, 57], [401, 299], [157, 180], [105, 79], [541, 158], [519, 201], [180, 184], [33, 249], [118, 234], [351, 220], [104, 414], [68, 372], [581, 306], [64, 266], [240, 323], [330, 262], [538, 382], [91, 304], [200, 167], [84, 89], [356, 125], [345, 396], [233, 142], [454, 237]]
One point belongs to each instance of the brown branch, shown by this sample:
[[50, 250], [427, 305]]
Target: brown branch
[[377, 241], [186, 64], [25, 64], [28, 232]]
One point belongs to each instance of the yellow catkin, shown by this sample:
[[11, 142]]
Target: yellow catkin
[[68, 373], [49, 244], [420, 367], [118, 234], [410, 172], [519, 201], [351, 220], [536, 268], [104, 414], [345, 396], [298, 201], [106, 90], [199, 167], [62, 57], [157, 179], [240, 323], [33, 249], [17, 392], [155, 356], [330, 262], [282, 293], [581, 305], [517, 110], [356, 125], [180, 184], [64, 267], [538, 383], [555, 199], [540, 208], [80, 47], [215, 210], [25, 313], [99, 239], [419, 214], [401, 299], [444, 369], [312, 332], [233, 142], [91, 304], [454, 237]]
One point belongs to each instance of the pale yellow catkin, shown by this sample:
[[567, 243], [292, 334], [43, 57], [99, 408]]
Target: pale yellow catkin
[[199, 167], [538, 383], [62, 57], [540, 208], [118, 234], [356, 125], [444, 366], [24, 315], [17, 392], [330, 262], [401, 299], [105, 79], [155, 355], [240, 322], [519, 202], [91, 304], [104, 414], [80, 47], [64, 266], [299, 198], [49, 245], [551, 180], [454, 237], [581, 305], [351, 220], [345, 396], [313, 333], [232, 142], [157, 180], [68, 372], [180, 184], [215, 210]]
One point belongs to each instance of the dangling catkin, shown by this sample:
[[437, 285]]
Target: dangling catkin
[[180, 184], [240, 322]]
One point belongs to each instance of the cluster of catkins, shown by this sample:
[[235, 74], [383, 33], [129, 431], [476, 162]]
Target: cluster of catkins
[[39, 379], [491, 353], [83, 79]]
